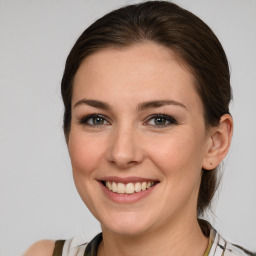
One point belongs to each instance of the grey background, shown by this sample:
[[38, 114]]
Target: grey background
[[38, 199]]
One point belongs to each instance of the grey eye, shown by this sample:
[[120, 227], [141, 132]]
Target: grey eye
[[161, 120], [94, 120]]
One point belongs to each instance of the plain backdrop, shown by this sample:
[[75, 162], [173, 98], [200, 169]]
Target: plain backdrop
[[38, 199]]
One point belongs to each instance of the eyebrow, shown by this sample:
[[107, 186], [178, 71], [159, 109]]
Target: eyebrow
[[141, 106], [93, 103], [158, 104]]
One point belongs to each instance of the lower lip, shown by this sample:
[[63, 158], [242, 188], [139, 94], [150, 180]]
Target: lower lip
[[127, 198]]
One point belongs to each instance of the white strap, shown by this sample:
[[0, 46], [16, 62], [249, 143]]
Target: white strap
[[69, 249]]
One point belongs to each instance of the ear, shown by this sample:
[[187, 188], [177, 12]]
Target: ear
[[219, 142]]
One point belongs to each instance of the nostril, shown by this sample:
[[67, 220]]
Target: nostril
[[124, 152], [123, 164]]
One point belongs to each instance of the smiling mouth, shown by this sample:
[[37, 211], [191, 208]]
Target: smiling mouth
[[129, 188]]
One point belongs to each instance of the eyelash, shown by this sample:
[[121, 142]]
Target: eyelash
[[84, 120], [164, 117], [169, 119]]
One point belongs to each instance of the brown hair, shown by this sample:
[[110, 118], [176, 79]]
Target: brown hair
[[181, 31]]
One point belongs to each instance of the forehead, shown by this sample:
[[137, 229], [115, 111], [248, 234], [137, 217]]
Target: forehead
[[145, 70], [147, 52]]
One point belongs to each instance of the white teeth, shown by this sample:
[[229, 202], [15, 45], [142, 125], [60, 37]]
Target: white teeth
[[108, 185], [143, 185], [114, 187], [129, 188], [137, 187], [120, 188]]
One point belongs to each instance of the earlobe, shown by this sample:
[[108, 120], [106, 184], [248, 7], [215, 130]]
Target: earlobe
[[220, 140]]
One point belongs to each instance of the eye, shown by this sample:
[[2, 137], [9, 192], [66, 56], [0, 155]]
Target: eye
[[160, 120], [94, 120]]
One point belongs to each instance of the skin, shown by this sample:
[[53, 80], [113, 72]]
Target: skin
[[41, 248], [128, 143]]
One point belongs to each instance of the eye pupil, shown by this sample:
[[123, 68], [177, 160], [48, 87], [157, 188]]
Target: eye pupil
[[160, 121], [98, 120]]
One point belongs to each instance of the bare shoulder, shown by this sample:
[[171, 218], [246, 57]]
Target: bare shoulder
[[41, 248]]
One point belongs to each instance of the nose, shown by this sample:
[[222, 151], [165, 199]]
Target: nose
[[125, 150]]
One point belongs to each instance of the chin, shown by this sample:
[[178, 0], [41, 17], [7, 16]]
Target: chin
[[127, 224]]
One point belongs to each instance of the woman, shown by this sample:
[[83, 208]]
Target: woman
[[146, 90]]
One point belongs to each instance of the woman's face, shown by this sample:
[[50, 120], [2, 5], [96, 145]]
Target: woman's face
[[137, 127]]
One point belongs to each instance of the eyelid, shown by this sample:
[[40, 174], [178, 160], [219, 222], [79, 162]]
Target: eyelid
[[84, 119], [168, 118]]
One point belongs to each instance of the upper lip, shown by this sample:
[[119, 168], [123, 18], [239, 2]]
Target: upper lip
[[126, 180]]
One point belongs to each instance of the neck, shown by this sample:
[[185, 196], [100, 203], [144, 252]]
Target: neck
[[180, 238]]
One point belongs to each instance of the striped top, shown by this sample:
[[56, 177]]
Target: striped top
[[77, 247]]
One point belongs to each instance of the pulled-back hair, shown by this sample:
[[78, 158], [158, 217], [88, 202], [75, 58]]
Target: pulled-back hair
[[169, 25]]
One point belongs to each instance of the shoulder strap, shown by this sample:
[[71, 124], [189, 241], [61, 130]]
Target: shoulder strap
[[58, 248]]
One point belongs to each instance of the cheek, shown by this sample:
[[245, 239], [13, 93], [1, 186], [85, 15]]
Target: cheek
[[85, 152], [180, 153]]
